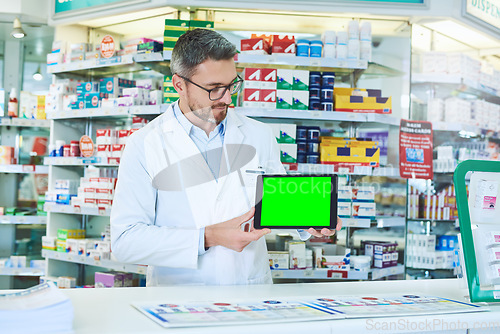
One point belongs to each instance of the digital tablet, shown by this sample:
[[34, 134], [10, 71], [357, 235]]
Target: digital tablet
[[296, 201]]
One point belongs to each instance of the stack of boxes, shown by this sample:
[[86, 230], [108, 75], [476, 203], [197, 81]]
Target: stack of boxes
[[95, 192], [383, 254], [442, 206], [170, 95], [260, 88], [285, 135], [64, 191], [321, 87], [362, 100], [267, 44], [113, 279], [356, 202], [431, 251], [176, 28], [348, 152], [62, 96], [308, 144]]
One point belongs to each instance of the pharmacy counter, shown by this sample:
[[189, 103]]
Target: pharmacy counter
[[110, 310]]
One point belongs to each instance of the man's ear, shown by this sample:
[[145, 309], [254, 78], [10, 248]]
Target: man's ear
[[179, 84]]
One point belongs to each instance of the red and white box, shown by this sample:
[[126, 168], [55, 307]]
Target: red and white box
[[105, 137], [86, 192], [269, 78], [101, 193], [107, 183], [122, 136], [103, 151], [253, 77], [90, 202], [251, 98], [116, 150], [256, 46], [283, 45], [268, 98], [104, 203]]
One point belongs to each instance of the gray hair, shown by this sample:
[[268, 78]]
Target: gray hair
[[196, 46]]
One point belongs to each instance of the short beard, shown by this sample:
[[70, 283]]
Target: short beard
[[206, 113]]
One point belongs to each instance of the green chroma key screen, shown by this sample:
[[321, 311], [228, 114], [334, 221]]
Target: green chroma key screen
[[296, 201]]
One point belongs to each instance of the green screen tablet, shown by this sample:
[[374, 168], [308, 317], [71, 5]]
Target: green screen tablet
[[296, 201]]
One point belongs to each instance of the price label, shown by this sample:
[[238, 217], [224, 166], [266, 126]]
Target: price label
[[142, 269], [277, 273], [342, 63], [343, 170], [316, 113], [107, 47], [314, 62], [21, 220], [70, 258], [308, 273], [101, 210], [97, 262], [28, 168], [106, 111], [271, 59], [77, 209], [74, 113], [336, 275]]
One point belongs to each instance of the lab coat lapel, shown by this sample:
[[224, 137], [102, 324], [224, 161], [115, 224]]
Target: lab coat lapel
[[194, 168]]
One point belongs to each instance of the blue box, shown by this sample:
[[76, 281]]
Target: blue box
[[64, 199], [92, 100]]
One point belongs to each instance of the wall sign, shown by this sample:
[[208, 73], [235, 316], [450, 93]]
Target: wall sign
[[485, 10], [415, 149]]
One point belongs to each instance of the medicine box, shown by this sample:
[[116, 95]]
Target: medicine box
[[297, 251], [300, 100], [279, 260], [252, 77], [284, 79], [363, 194], [363, 210], [251, 98], [344, 193], [108, 279], [255, 46], [49, 243], [284, 99], [288, 133], [269, 78], [344, 209], [268, 98], [300, 80], [288, 153]]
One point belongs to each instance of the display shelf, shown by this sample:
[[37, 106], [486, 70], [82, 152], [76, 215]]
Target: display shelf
[[75, 210], [77, 161], [24, 122], [311, 274], [433, 220], [356, 222], [23, 220], [456, 81], [109, 112], [390, 222], [74, 258], [319, 115], [24, 169], [98, 66], [386, 171], [21, 271]]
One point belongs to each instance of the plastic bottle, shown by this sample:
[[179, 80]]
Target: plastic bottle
[[13, 105]]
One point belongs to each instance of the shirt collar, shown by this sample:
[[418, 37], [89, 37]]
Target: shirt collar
[[188, 126]]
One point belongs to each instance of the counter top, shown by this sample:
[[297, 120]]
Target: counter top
[[110, 310]]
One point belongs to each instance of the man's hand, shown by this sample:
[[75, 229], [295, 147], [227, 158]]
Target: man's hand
[[326, 232], [230, 235]]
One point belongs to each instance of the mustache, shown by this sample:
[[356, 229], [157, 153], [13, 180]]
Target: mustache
[[220, 105]]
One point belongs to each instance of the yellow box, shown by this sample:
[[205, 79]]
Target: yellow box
[[362, 100], [357, 155]]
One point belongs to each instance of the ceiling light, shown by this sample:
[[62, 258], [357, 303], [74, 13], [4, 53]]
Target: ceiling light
[[18, 31], [38, 75]]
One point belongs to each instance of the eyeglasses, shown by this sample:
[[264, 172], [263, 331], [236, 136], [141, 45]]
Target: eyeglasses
[[217, 93]]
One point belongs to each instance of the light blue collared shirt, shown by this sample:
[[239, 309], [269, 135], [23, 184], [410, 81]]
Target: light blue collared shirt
[[210, 148]]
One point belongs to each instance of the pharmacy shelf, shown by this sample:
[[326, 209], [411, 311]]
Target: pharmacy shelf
[[24, 122], [432, 220], [23, 220], [314, 274], [77, 161], [318, 115], [74, 258], [116, 112], [21, 271], [24, 169], [390, 222], [356, 222], [91, 64], [462, 84], [75, 210]]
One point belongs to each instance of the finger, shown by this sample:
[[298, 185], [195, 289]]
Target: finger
[[247, 216], [257, 234], [314, 232], [339, 224], [327, 233]]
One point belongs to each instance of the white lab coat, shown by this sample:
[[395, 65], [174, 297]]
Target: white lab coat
[[166, 193]]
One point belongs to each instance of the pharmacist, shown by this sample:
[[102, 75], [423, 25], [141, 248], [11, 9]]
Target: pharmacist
[[184, 198]]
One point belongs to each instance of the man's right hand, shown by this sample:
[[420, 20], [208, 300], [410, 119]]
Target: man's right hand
[[229, 234]]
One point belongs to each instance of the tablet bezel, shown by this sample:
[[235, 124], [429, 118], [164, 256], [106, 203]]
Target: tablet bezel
[[333, 201]]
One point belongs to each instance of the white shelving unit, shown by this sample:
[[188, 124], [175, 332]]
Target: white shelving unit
[[315, 274], [23, 220], [453, 79], [90, 64], [22, 271], [75, 210], [24, 122], [24, 169], [74, 258], [77, 161]]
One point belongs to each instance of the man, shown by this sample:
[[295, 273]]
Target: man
[[184, 192]]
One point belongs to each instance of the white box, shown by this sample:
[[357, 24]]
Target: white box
[[363, 210], [279, 260], [344, 209], [72, 246], [288, 133], [288, 153], [284, 99], [344, 192], [302, 77], [284, 79], [300, 99], [85, 246], [363, 193], [297, 251]]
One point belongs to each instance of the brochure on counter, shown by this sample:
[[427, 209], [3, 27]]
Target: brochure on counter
[[275, 311]]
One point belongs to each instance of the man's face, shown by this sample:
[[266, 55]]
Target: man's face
[[210, 74]]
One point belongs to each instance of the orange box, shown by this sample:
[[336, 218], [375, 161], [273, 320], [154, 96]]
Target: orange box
[[7, 155]]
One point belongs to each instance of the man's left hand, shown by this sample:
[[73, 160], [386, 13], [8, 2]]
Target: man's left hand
[[326, 232]]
